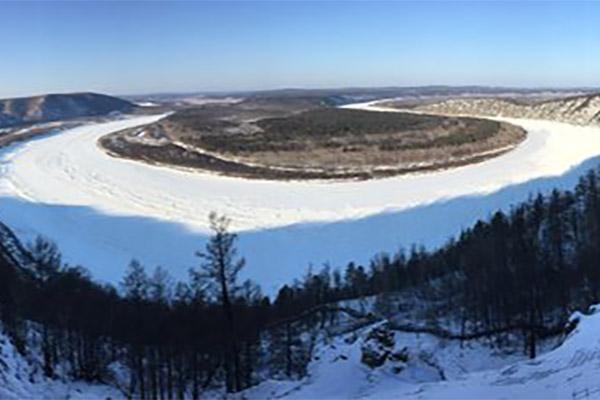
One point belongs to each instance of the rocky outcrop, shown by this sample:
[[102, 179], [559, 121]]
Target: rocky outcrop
[[378, 348]]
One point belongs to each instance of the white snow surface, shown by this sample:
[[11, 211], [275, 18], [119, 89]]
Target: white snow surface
[[569, 371], [21, 378], [102, 211], [147, 104]]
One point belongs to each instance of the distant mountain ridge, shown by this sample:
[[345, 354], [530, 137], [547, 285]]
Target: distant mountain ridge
[[52, 107], [580, 110]]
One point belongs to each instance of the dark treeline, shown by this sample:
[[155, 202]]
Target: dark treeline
[[525, 269]]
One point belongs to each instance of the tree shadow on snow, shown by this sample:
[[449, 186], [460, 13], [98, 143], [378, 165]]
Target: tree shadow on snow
[[105, 243]]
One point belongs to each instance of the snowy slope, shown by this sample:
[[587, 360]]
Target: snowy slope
[[102, 211], [12, 250], [21, 378], [53, 107], [584, 109], [570, 371]]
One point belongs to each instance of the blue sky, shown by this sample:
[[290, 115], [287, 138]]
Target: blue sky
[[138, 47]]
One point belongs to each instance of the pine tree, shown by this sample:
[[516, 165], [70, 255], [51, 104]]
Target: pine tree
[[46, 257], [135, 283]]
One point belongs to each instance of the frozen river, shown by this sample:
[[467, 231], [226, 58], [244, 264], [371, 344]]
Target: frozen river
[[103, 211]]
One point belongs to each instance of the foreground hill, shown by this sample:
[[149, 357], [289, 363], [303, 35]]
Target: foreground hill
[[422, 366], [580, 110], [53, 107], [22, 377]]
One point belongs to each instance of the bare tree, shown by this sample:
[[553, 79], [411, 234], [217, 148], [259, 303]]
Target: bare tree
[[220, 268]]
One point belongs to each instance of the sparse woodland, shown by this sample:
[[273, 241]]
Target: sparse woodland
[[520, 272]]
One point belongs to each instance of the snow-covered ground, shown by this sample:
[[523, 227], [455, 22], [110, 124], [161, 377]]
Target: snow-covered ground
[[21, 377], [570, 371], [102, 211]]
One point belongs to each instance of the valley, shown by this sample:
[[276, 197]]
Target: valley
[[67, 188], [103, 211], [299, 200]]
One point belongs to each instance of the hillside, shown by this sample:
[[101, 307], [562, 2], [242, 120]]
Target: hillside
[[425, 367], [580, 110], [405, 324], [53, 107], [21, 377]]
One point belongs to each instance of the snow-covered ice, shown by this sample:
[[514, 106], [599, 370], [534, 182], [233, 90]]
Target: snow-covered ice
[[102, 211]]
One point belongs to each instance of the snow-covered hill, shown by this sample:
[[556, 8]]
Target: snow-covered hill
[[53, 107], [580, 110], [425, 367]]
